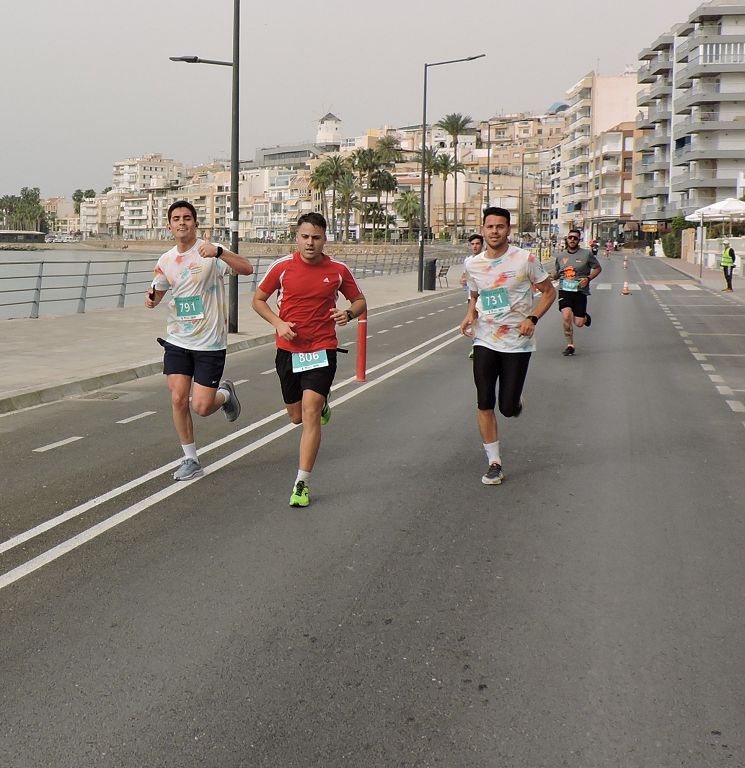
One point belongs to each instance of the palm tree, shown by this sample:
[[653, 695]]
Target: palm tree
[[455, 124], [386, 182], [364, 162], [336, 168], [407, 207], [431, 155], [388, 151], [346, 198], [321, 180], [444, 167]]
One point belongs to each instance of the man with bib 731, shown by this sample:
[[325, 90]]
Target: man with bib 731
[[501, 319], [307, 284], [575, 268]]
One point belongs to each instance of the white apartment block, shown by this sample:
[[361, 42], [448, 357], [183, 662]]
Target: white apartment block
[[100, 215], [146, 172], [597, 103], [693, 113]]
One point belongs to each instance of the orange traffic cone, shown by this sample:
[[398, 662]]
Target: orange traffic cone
[[626, 291]]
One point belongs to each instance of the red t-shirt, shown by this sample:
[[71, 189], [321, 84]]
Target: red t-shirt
[[306, 294]]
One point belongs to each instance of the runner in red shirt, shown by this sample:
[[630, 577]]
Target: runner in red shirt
[[307, 284]]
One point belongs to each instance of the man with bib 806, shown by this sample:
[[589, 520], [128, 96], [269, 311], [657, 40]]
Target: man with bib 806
[[501, 319], [574, 270], [307, 284], [195, 347]]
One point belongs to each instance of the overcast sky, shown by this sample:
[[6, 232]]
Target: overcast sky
[[88, 82]]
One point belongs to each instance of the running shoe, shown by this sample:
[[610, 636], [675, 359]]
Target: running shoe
[[588, 320], [494, 475], [188, 470], [325, 413], [231, 409], [568, 351], [300, 496]]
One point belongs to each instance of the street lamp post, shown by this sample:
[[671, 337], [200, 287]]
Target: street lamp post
[[234, 143], [423, 225]]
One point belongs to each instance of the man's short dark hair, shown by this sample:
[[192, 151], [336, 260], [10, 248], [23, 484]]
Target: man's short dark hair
[[576, 231], [476, 236], [494, 211], [182, 204], [316, 219]]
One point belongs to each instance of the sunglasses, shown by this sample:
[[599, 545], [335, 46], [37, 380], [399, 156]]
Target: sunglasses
[[572, 237]]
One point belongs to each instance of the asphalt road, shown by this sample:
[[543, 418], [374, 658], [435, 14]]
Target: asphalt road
[[587, 612]]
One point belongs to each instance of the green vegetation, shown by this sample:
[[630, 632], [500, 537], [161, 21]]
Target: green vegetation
[[671, 241], [23, 211]]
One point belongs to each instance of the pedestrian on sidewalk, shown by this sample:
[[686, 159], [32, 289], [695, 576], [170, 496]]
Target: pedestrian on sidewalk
[[501, 319], [196, 342], [307, 283], [728, 265]]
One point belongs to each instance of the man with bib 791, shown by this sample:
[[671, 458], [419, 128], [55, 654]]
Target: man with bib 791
[[307, 284], [501, 319], [575, 268], [194, 360]]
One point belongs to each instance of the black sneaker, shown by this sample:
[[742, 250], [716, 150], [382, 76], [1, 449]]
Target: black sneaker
[[568, 351], [588, 320], [493, 475]]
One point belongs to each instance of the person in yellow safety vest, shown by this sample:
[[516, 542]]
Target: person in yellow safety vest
[[728, 264]]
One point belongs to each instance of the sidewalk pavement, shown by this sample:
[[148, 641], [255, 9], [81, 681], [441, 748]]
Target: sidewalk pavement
[[50, 358], [710, 278]]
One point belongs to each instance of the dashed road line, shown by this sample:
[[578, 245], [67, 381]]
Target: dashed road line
[[58, 444], [137, 417]]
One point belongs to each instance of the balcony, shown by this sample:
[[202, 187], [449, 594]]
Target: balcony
[[702, 179], [653, 189], [658, 139], [705, 94], [655, 164], [610, 169], [644, 75], [702, 121], [698, 152], [708, 66]]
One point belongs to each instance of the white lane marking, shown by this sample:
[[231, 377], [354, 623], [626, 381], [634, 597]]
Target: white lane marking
[[736, 406], [421, 317], [268, 371], [716, 379], [700, 357], [400, 325], [723, 354], [708, 367], [58, 444], [440, 310], [240, 381], [659, 286], [717, 334], [726, 391], [603, 286], [408, 322], [148, 476], [689, 287], [688, 341], [91, 533], [137, 417], [385, 330], [693, 349], [684, 334], [369, 336], [431, 313]]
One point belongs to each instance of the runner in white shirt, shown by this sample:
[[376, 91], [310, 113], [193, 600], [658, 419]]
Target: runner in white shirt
[[501, 320], [195, 347]]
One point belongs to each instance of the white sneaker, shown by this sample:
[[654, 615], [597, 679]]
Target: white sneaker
[[188, 470]]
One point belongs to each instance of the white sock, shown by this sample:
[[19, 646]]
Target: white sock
[[225, 394], [492, 452], [302, 475], [190, 451]]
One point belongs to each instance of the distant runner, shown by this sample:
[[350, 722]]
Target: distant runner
[[575, 268], [195, 346]]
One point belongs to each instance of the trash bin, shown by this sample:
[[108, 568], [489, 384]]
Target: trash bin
[[430, 275]]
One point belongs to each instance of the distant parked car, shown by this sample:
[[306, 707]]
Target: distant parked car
[[48, 238]]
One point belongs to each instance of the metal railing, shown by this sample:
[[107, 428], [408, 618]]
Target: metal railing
[[31, 288]]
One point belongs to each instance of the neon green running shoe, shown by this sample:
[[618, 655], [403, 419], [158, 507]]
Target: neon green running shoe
[[300, 496], [325, 413]]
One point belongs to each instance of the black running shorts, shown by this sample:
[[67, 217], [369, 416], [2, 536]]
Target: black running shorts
[[507, 368], [204, 367], [294, 384], [574, 300]]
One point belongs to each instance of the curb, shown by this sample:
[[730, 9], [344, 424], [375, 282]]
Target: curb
[[28, 399]]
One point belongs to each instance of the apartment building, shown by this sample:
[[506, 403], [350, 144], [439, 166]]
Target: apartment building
[[99, 215], [60, 215], [610, 210], [149, 171], [693, 114], [597, 103]]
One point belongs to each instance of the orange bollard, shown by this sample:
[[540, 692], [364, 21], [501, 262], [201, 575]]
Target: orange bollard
[[626, 291], [362, 347]]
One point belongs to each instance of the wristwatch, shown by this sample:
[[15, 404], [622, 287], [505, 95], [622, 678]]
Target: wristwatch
[[219, 252], [350, 315], [533, 319]]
